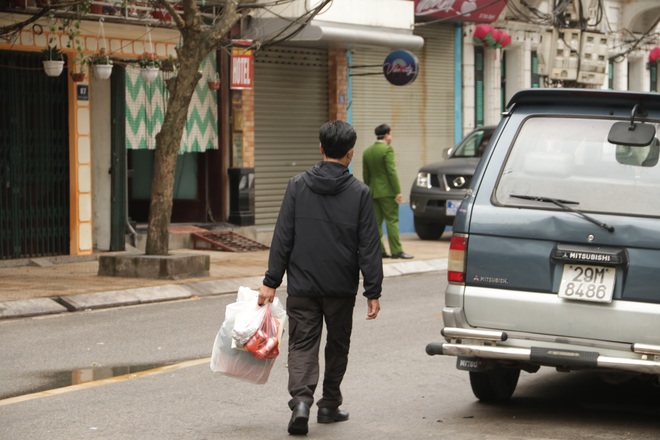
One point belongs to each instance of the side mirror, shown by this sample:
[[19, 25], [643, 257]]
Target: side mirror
[[446, 152]]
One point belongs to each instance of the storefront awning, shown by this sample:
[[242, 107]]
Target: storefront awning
[[335, 34]]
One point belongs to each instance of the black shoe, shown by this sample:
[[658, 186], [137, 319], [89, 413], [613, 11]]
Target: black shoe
[[386, 255], [328, 415], [299, 418], [402, 255]]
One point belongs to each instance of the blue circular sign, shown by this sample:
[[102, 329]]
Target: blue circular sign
[[400, 67]]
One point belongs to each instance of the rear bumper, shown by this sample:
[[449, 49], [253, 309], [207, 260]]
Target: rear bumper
[[643, 360]]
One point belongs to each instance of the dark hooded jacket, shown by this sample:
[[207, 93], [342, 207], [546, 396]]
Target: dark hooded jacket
[[325, 235]]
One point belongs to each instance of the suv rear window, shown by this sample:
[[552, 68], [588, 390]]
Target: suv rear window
[[571, 160]]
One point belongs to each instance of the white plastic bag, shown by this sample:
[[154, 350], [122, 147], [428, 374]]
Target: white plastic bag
[[247, 322], [231, 360]]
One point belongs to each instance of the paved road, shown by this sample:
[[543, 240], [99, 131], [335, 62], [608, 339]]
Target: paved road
[[392, 389]]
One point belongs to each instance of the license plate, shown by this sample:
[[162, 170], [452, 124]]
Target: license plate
[[587, 283], [452, 207]]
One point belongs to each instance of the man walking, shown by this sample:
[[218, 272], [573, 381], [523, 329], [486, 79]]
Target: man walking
[[324, 236], [379, 173]]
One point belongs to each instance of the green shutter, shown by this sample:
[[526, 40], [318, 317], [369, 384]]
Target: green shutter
[[478, 86], [536, 78], [654, 77]]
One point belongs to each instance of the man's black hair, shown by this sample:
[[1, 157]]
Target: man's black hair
[[382, 130], [337, 138]]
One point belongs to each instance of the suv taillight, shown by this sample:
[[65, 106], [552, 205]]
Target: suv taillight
[[456, 263]]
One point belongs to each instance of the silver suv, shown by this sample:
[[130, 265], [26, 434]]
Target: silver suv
[[440, 187], [555, 253]]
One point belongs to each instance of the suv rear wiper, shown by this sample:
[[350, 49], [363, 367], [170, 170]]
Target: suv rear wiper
[[564, 205]]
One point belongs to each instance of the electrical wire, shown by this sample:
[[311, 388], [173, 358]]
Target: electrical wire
[[294, 27]]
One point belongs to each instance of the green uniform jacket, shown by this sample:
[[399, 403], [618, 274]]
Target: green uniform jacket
[[379, 171]]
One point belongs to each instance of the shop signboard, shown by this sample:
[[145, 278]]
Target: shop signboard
[[478, 11], [242, 65]]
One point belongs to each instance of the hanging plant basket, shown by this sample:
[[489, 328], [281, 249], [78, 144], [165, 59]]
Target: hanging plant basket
[[149, 74], [100, 63], [102, 71], [168, 65], [53, 67], [53, 60]]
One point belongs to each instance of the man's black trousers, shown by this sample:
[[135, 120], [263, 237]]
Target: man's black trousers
[[306, 316]]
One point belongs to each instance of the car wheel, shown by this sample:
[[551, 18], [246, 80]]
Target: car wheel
[[496, 385], [428, 231]]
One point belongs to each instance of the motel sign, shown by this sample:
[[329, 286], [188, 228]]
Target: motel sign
[[242, 67]]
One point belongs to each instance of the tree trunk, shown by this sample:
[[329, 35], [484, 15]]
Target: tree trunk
[[198, 42], [168, 141]]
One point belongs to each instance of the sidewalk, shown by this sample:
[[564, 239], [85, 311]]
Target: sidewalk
[[47, 287]]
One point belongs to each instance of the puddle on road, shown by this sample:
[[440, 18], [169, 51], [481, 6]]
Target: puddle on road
[[61, 379], [84, 375], [58, 382]]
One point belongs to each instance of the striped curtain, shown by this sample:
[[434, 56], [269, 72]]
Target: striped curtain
[[146, 104]]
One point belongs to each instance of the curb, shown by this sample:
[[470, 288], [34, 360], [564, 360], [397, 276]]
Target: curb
[[172, 292]]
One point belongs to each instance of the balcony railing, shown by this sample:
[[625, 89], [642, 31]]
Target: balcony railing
[[120, 11]]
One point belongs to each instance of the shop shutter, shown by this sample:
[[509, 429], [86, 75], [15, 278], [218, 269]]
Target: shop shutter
[[291, 104], [421, 114]]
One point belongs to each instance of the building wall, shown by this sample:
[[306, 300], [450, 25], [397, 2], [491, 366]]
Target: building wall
[[122, 42], [337, 84], [388, 14], [101, 162], [630, 71]]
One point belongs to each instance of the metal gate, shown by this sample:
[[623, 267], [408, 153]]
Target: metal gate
[[34, 159]]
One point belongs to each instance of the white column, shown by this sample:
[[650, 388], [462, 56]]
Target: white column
[[492, 86], [468, 84], [620, 76]]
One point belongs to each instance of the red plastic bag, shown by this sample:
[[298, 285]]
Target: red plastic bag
[[264, 343]]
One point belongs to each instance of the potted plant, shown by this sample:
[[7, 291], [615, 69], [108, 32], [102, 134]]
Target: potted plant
[[214, 82], [149, 66], [101, 64], [78, 71], [169, 64], [78, 76], [53, 60]]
